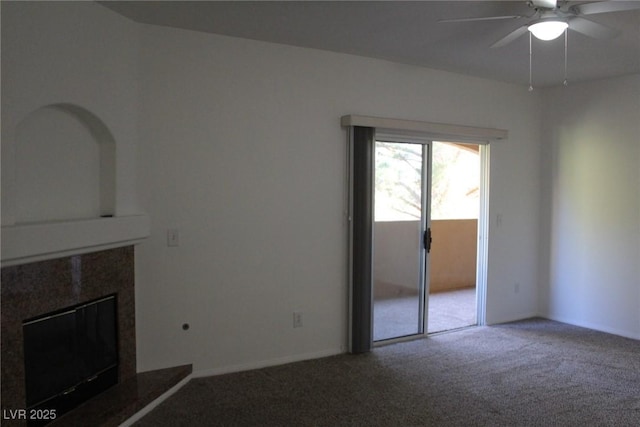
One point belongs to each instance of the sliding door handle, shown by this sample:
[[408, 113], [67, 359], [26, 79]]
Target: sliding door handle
[[426, 239]]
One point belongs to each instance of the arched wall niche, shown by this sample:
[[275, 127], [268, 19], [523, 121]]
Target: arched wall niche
[[64, 166]]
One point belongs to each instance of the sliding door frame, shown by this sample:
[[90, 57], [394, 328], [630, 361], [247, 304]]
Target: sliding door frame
[[360, 163]]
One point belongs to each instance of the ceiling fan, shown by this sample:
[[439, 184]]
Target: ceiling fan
[[550, 18]]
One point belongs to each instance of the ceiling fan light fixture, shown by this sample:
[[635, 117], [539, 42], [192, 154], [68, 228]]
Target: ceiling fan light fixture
[[548, 30]]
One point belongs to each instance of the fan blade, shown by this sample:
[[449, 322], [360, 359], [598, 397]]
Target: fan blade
[[486, 18], [604, 7], [546, 4], [511, 36], [592, 29]]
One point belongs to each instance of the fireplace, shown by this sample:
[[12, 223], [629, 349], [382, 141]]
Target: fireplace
[[78, 291], [103, 281], [70, 356]]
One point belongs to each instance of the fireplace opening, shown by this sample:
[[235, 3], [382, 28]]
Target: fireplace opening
[[70, 355]]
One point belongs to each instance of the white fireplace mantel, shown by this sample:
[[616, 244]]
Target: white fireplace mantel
[[24, 243]]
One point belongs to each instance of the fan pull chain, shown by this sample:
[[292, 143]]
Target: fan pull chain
[[530, 73], [566, 36]]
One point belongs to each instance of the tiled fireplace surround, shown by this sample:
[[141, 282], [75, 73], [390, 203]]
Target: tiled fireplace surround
[[37, 288]]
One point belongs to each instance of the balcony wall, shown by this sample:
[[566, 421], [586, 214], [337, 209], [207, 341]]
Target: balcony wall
[[452, 258]]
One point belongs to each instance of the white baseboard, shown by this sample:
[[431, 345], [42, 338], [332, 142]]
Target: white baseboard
[[594, 326], [513, 318], [265, 363]]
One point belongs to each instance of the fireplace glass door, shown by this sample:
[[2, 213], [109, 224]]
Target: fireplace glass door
[[71, 355]]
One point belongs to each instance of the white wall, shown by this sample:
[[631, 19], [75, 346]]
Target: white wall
[[241, 151], [591, 205], [239, 148], [55, 53]]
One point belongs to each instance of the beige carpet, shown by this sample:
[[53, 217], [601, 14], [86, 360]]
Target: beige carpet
[[529, 373]]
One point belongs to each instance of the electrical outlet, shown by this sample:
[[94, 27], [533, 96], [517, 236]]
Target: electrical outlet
[[297, 319], [173, 238], [516, 287]]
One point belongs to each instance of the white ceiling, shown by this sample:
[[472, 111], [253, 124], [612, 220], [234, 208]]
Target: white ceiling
[[408, 32]]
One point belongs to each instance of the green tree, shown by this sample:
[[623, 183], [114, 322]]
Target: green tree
[[399, 178]]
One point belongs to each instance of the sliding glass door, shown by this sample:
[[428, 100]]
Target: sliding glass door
[[400, 237], [391, 177]]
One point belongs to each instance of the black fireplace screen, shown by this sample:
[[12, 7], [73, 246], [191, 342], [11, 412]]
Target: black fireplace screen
[[71, 355]]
